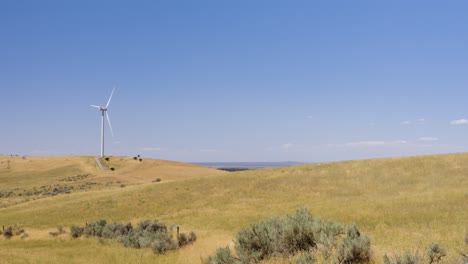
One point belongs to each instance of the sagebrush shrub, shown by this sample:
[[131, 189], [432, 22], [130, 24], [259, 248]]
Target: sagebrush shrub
[[132, 239], [260, 240], [8, 232], [288, 235], [76, 231], [186, 239], [116, 230], [146, 234], [163, 243], [152, 226], [222, 256], [284, 236], [435, 253], [95, 228], [354, 248], [306, 258]]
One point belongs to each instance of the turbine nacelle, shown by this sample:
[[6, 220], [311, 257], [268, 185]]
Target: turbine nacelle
[[100, 108]]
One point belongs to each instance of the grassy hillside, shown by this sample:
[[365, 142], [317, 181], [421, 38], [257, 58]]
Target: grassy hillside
[[23, 179], [400, 203]]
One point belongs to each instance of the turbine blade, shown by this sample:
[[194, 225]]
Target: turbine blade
[[108, 102], [96, 106], [108, 121]]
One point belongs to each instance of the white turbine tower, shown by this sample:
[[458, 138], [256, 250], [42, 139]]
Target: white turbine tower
[[104, 113]]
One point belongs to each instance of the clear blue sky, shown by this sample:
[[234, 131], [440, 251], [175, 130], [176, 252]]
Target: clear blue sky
[[236, 80]]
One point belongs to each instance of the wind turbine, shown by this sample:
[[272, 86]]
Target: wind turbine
[[104, 113]]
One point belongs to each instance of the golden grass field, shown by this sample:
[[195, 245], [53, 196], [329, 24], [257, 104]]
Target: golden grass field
[[400, 203]]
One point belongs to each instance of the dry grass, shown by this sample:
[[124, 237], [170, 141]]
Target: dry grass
[[401, 203], [23, 175]]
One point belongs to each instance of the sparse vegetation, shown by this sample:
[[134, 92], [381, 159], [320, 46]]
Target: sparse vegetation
[[8, 232], [50, 190], [407, 257], [434, 254], [288, 235], [146, 234], [94, 229], [76, 231], [11, 231], [75, 178], [116, 230], [354, 248], [464, 255], [59, 231], [222, 256], [186, 239]]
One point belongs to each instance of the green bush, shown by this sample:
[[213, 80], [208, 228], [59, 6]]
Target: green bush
[[152, 226], [11, 231], [222, 256], [435, 253], [163, 243], [76, 231], [146, 234], [284, 236], [300, 233], [185, 239], [116, 230], [132, 239], [354, 248], [150, 234], [95, 228]]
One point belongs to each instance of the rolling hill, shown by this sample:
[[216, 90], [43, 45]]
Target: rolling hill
[[400, 203]]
